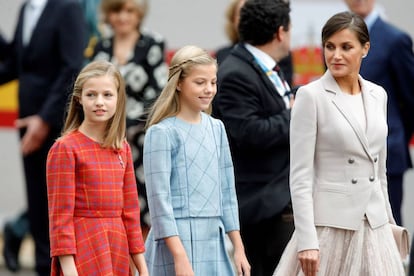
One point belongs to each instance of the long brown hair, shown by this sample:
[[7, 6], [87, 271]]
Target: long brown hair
[[116, 127]]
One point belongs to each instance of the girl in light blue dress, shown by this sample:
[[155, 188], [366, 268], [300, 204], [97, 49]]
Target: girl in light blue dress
[[189, 176]]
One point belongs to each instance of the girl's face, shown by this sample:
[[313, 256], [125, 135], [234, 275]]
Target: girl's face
[[343, 53], [197, 90], [126, 20], [99, 98]]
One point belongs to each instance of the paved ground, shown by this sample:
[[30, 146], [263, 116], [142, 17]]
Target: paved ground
[[26, 259]]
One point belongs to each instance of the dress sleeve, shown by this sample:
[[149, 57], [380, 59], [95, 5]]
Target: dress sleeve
[[230, 206], [60, 173], [131, 211], [157, 168]]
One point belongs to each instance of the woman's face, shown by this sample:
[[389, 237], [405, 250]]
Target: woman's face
[[343, 53], [126, 20]]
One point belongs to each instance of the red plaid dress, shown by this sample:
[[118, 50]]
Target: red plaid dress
[[93, 206]]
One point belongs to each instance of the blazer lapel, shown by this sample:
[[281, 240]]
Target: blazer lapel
[[339, 101], [243, 53], [369, 100]]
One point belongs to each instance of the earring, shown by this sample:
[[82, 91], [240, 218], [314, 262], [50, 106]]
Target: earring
[[364, 56]]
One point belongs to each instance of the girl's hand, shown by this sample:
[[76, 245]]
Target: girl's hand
[[309, 261], [241, 263], [140, 264], [240, 259], [67, 264], [182, 266]]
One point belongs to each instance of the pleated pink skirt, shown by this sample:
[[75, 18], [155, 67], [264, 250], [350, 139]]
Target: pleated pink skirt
[[366, 252]]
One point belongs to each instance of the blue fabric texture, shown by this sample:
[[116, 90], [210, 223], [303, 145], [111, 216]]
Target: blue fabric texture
[[191, 194]]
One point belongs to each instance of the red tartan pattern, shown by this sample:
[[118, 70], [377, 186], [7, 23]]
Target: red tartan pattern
[[93, 206]]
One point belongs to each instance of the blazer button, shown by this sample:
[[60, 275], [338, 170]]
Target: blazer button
[[375, 159], [354, 181], [371, 178], [351, 160]]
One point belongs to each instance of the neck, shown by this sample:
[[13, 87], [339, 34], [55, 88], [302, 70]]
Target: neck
[[269, 48], [94, 131], [349, 85], [189, 116], [132, 36]]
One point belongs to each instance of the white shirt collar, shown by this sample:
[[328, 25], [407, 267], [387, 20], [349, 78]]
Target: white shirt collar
[[37, 3], [371, 18], [264, 58]]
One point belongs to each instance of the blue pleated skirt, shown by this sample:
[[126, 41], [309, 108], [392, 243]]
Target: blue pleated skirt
[[204, 242]]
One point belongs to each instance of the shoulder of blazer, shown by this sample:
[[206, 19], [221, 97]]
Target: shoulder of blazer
[[241, 53]]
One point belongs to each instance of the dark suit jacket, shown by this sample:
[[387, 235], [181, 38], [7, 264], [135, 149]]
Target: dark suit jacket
[[390, 63], [48, 65], [257, 124], [4, 48]]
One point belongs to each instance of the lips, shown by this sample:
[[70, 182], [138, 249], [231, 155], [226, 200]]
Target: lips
[[99, 112], [205, 99]]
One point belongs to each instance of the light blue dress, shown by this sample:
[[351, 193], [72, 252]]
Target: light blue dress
[[191, 194]]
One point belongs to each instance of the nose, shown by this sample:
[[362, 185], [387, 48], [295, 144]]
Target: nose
[[123, 15], [210, 88], [337, 54], [99, 100]]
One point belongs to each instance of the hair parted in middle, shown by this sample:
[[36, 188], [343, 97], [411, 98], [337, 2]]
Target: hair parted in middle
[[261, 19], [345, 20], [183, 61], [116, 128]]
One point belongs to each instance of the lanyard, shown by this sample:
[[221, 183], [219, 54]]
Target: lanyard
[[282, 86]]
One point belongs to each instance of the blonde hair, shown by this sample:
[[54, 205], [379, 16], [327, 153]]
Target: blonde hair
[[233, 12], [183, 61], [116, 128], [108, 6]]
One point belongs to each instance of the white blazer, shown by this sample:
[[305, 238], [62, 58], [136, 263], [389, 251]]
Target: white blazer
[[337, 174]]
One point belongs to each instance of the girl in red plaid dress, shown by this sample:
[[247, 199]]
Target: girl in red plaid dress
[[93, 202]]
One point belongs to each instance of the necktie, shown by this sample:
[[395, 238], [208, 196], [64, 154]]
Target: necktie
[[283, 80]]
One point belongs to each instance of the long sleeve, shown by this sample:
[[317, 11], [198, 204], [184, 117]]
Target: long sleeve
[[61, 199], [402, 66], [157, 167], [131, 211], [230, 205], [382, 171], [302, 149], [71, 43]]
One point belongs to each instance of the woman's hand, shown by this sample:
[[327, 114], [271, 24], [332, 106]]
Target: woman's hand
[[309, 261]]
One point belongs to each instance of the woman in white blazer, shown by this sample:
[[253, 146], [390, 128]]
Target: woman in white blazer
[[338, 178]]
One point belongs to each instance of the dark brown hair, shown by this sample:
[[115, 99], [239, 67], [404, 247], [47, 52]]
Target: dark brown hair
[[342, 21]]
